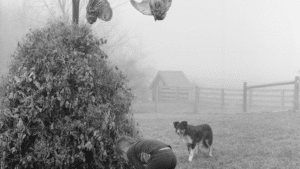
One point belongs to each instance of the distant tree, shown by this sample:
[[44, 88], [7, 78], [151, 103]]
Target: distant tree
[[139, 77], [63, 104]]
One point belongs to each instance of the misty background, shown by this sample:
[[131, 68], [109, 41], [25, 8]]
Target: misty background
[[216, 43]]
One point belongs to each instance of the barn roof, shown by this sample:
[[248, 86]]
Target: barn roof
[[171, 79]]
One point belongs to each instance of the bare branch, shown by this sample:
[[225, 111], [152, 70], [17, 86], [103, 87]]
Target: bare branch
[[62, 5], [47, 6]]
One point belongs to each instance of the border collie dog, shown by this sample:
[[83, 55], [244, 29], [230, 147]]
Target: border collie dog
[[193, 135]]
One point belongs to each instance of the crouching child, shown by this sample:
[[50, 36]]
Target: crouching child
[[147, 153]]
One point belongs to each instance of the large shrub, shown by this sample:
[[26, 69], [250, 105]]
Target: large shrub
[[64, 105]]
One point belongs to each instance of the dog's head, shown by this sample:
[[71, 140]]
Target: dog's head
[[180, 127]]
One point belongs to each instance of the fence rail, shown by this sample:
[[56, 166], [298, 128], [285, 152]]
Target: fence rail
[[250, 98], [249, 89]]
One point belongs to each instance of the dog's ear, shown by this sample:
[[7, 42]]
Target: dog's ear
[[175, 123], [184, 123]]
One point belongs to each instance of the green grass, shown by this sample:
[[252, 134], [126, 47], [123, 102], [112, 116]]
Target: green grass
[[241, 140]]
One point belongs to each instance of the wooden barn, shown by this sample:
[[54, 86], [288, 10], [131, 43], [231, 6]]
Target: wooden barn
[[170, 86]]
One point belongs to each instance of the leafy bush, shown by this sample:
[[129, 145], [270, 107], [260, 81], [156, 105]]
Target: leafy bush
[[64, 105]]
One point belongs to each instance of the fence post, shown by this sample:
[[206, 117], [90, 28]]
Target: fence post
[[222, 98], [196, 99], [156, 98], [296, 94], [245, 97], [282, 99]]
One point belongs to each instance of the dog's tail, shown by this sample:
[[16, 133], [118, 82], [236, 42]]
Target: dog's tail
[[208, 141]]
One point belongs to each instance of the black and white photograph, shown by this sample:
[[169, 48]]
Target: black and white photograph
[[149, 84]]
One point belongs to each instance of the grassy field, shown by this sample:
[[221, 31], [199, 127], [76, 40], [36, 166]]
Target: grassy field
[[241, 140]]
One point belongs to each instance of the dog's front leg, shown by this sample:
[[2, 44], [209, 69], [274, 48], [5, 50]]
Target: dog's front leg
[[210, 151], [191, 156], [188, 147], [191, 151]]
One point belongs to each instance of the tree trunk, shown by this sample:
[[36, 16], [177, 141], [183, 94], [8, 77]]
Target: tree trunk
[[75, 11]]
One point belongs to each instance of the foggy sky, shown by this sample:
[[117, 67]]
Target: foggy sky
[[222, 41], [233, 40]]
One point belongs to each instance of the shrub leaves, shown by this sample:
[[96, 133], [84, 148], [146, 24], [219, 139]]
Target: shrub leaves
[[64, 105]]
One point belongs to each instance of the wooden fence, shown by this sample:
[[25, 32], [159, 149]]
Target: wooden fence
[[250, 98], [218, 99], [200, 99], [249, 89]]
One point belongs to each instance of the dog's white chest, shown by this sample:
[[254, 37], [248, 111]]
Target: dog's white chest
[[187, 139]]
